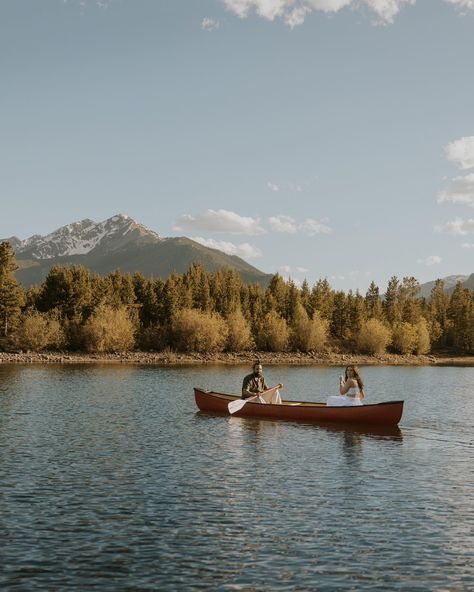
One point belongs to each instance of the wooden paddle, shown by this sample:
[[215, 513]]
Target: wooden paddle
[[237, 405]]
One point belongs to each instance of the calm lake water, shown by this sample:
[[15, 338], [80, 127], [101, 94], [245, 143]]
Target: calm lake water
[[111, 480]]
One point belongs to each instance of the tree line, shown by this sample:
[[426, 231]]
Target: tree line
[[200, 311]]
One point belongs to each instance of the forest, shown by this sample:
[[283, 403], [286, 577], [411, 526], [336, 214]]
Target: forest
[[200, 311]]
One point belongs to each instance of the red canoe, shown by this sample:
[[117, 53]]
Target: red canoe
[[381, 414]]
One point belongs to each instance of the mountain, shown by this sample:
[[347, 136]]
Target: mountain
[[120, 243], [449, 284], [85, 237]]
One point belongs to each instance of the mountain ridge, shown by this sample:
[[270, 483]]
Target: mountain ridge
[[120, 243], [450, 282]]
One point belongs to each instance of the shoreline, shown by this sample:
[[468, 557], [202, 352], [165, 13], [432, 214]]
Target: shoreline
[[241, 358]]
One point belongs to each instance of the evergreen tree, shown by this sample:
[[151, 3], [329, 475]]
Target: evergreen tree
[[323, 299], [293, 301], [438, 313], [69, 290], [409, 301], [305, 297], [390, 304], [340, 317], [120, 290], [11, 294], [277, 295], [461, 313], [373, 304]]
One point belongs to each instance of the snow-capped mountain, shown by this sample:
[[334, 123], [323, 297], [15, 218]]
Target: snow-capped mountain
[[120, 243], [83, 237]]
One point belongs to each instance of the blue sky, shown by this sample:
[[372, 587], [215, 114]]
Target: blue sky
[[318, 138]]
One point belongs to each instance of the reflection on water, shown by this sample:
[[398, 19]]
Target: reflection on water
[[110, 480]]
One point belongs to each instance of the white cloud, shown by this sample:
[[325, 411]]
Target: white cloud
[[462, 3], [467, 245], [273, 186], [289, 269], [461, 151], [460, 190], [458, 227], [294, 12], [88, 3], [296, 187], [431, 260], [312, 227], [220, 221], [209, 24], [289, 225], [244, 250], [283, 224], [295, 18]]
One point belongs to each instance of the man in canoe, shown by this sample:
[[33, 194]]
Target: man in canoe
[[254, 384]]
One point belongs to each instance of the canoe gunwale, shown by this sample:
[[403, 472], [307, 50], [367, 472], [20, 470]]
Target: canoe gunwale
[[386, 413], [286, 403]]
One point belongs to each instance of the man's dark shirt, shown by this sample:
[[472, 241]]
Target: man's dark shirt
[[253, 384]]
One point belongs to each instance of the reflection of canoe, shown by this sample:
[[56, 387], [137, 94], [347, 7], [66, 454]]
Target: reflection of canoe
[[381, 414]]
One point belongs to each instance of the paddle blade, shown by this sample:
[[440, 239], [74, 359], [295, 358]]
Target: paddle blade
[[236, 405]]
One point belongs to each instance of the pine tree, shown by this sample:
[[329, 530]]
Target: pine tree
[[11, 295], [323, 299], [373, 303], [69, 290], [277, 295], [390, 304], [409, 300], [305, 297], [438, 311], [460, 313]]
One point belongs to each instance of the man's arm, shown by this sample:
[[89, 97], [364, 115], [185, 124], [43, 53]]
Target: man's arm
[[245, 387]]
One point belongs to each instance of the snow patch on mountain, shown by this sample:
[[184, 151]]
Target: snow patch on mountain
[[80, 238]]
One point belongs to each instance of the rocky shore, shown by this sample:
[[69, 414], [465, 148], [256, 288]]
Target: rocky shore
[[267, 358]]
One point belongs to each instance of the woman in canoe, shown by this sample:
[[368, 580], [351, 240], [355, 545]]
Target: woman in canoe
[[351, 389], [352, 384]]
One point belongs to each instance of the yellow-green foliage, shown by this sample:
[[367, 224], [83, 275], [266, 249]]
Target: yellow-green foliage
[[109, 330], [423, 337], [40, 331], [308, 334], [240, 336], [317, 333], [404, 338], [198, 331], [373, 337], [274, 334]]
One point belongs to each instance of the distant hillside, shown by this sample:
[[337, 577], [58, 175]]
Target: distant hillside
[[449, 284], [120, 243]]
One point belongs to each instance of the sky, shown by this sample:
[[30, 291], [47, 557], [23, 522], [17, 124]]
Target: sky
[[316, 138]]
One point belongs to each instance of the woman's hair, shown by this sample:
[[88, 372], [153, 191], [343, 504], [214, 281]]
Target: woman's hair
[[357, 376]]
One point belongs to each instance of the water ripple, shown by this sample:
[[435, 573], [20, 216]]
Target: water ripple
[[110, 480]]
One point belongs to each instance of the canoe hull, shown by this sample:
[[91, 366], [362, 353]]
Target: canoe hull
[[381, 414]]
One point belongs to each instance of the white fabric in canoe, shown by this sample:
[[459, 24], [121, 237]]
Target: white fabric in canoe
[[341, 401], [272, 396]]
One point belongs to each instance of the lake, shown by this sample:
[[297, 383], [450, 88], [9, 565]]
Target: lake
[[111, 480]]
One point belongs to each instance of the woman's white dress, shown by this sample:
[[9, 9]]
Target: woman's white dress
[[349, 399]]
